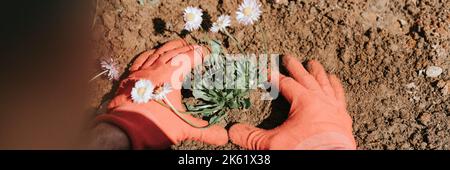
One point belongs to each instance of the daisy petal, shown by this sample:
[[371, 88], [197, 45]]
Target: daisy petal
[[248, 12], [109, 65], [193, 18], [163, 92], [221, 24], [142, 91]]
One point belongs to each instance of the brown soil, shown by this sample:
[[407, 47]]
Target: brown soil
[[379, 48]]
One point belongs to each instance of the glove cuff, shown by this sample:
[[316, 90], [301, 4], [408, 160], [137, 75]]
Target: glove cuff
[[142, 132], [327, 141]]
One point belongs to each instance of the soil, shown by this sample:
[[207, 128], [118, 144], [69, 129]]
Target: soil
[[379, 48]]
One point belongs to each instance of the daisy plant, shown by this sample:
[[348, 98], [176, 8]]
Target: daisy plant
[[109, 69], [233, 78], [144, 91], [216, 98]]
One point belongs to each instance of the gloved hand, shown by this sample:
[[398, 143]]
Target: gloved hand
[[318, 118], [151, 125]]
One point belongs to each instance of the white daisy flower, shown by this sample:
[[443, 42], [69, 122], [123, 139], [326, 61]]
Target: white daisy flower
[[110, 69], [248, 12], [142, 91], [221, 24], [193, 18], [162, 92]]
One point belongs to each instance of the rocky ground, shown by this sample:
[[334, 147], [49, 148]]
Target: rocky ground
[[393, 58]]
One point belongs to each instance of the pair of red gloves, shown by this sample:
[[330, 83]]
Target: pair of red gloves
[[318, 118]]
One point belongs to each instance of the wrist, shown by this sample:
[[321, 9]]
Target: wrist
[[108, 136], [141, 131]]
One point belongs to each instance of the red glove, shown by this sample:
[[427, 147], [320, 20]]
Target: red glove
[[318, 118], [151, 125]]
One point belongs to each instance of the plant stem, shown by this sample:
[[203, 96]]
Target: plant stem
[[98, 75], [166, 106], [264, 39], [181, 116], [234, 39]]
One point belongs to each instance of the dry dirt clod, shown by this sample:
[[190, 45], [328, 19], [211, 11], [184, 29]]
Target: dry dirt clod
[[425, 119], [441, 84], [403, 23], [281, 1], [411, 85], [444, 86]]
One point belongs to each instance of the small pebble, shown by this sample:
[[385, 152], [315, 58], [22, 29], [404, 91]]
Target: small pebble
[[433, 71], [446, 90], [441, 83], [403, 22], [445, 87], [281, 1], [421, 72], [425, 119], [411, 85]]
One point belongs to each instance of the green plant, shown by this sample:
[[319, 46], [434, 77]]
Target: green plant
[[230, 90]]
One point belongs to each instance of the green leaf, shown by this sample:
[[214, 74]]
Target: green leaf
[[229, 96], [217, 118], [214, 119], [199, 94], [211, 111], [215, 95], [207, 112], [234, 104], [246, 103], [197, 108], [215, 47], [243, 93]]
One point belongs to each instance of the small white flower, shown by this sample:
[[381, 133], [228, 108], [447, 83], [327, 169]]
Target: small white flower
[[142, 91], [248, 12], [162, 92], [221, 24], [193, 18], [109, 66]]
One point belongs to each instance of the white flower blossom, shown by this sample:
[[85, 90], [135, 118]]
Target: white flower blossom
[[162, 92], [221, 24], [110, 68], [142, 91], [193, 18], [248, 12]]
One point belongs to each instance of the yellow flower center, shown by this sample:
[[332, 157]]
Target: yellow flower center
[[247, 11], [141, 91], [190, 17]]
